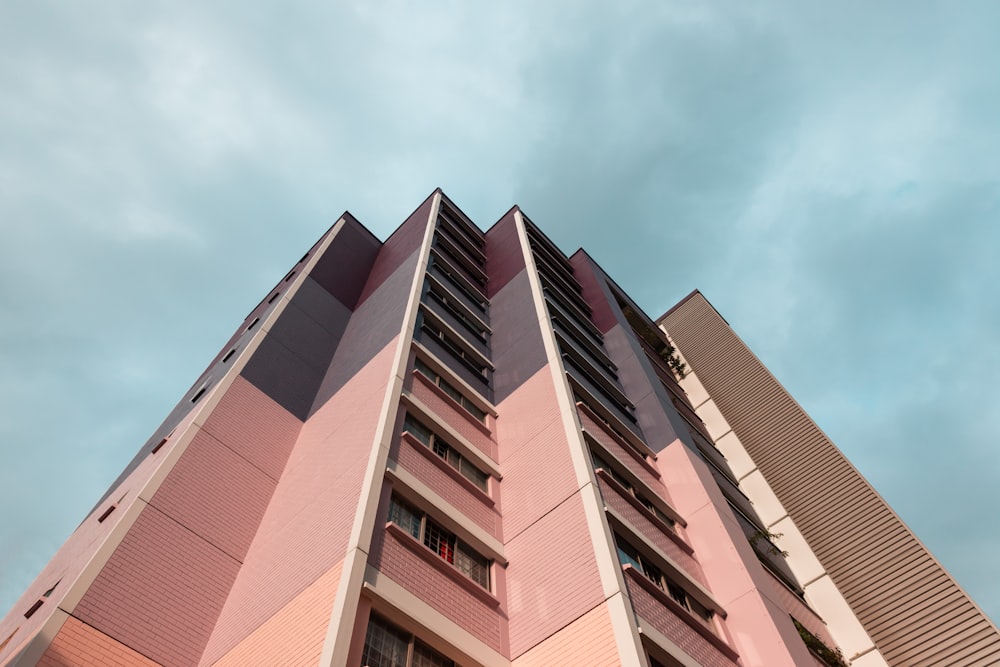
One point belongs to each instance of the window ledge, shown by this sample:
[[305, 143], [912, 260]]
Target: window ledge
[[685, 615], [622, 442], [440, 393], [656, 521], [481, 495], [441, 564]]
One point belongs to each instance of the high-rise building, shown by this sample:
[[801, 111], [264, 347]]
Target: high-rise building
[[464, 448]]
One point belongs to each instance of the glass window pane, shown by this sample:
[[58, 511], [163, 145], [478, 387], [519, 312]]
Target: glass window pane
[[424, 656], [417, 430], [473, 565], [475, 475], [404, 517], [451, 391], [440, 541], [474, 410], [419, 365], [441, 449], [385, 645]]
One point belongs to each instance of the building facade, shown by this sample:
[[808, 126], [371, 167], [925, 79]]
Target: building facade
[[451, 448]]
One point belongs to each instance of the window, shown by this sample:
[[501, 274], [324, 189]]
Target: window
[[389, 646], [446, 452], [629, 555], [470, 268], [440, 541], [447, 388], [467, 358], [460, 283], [454, 307], [638, 495]]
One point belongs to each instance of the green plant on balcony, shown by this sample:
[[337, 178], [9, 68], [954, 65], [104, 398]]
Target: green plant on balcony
[[655, 340], [767, 538], [832, 657]]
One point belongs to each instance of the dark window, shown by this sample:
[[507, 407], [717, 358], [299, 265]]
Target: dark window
[[467, 358], [389, 646], [447, 388]]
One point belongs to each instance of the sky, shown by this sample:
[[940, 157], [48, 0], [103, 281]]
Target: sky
[[827, 174]]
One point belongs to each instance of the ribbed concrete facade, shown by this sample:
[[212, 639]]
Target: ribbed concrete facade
[[451, 447], [911, 608]]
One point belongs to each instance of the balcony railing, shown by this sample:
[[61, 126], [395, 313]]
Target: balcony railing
[[659, 611], [650, 528], [470, 294], [470, 270]]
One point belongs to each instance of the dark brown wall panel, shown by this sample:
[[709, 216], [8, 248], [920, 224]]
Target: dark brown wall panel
[[912, 608]]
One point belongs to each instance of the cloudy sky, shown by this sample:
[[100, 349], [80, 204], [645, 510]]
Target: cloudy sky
[[828, 176]]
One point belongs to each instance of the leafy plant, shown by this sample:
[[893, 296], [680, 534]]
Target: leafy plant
[[768, 538], [832, 657]]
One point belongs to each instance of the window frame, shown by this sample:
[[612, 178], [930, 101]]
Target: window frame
[[453, 392], [462, 352], [644, 564], [401, 635], [449, 454], [441, 542], [643, 498]]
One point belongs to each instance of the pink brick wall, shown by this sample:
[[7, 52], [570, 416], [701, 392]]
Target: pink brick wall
[[253, 426], [417, 460], [453, 415], [650, 530], [589, 640], [399, 562], [215, 494], [503, 251], [674, 628], [602, 312], [67, 564], [79, 645], [305, 529], [552, 578], [294, 635], [160, 591], [534, 454]]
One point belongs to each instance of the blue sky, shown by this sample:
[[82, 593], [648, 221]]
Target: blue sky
[[827, 175]]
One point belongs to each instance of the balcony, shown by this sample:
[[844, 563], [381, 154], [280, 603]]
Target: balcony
[[459, 259], [625, 507], [582, 355], [768, 552], [470, 294], [619, 447], [469, 328], [610, 399], [581, 318], [655, 609]]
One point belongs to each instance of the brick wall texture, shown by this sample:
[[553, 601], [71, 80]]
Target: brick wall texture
[[678, 631], [400, 562], [589, 640], [294, 635], [418, 460], [552, 578], [79, 645], [161, 591]]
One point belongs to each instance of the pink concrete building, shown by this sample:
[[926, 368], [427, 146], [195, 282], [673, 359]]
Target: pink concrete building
[[450, 448]]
